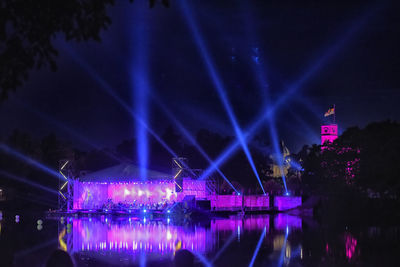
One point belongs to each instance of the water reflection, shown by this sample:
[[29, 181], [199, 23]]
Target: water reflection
[[265, 240], [105, 238], [351, 245], [135, 237]]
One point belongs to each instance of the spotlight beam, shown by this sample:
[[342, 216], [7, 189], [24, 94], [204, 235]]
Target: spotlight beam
[[203, 259], [282, 254], [48, 243], [224, 247], [30, 161], [271, 122], [257, 247], [37, 200], [277, 149], [191, 139], [108, 89], [66, 129], [263, 87], [25, 181], [220, 89], [291, 90], [140, 86]]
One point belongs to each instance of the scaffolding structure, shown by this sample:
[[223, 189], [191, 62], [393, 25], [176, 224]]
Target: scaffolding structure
[[65, 185], [181, 169]]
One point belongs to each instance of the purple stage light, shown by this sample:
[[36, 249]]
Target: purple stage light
[[236, 202], [286, 202], [136, 237], [282, 221], [96, 195], [253, 223]]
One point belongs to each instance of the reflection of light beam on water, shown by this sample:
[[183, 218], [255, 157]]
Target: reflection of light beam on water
[[283, 249], [258, 247], [219, 86], [227, 243], [151, 237], [203, 259], [142, 259], [25, 252]]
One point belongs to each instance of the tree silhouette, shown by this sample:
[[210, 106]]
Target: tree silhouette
[[28, 29]]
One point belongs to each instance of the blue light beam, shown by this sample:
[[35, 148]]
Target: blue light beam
[[67, 129], [219, 86], [202, 259], [140, 86], [291, 90], [191, 139], [26, 181], [282, 254], [258, 247], [108, 89], [140, 89], [262, 81], [224, 247], [30, 161], [277, 150]]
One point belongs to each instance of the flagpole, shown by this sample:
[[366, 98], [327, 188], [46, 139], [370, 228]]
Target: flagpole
[[334, 114]]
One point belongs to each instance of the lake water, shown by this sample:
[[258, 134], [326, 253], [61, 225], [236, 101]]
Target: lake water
[[264, 240]]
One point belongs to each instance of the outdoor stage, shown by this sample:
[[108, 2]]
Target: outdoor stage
[[104, 193]]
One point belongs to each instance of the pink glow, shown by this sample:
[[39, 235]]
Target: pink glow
[[251, 223], [329, 133], [228, 202], [351, 244], [232, 202], [256, 201], [286, 202], [136, 237], [194, 187], [282, 220], [94, 195], [90, 195]]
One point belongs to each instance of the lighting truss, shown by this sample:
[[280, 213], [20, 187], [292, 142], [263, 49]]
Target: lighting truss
[[65, 191]]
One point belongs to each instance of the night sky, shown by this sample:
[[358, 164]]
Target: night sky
[[358, 41]]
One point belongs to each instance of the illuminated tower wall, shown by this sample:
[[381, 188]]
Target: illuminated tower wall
[[329, 133]]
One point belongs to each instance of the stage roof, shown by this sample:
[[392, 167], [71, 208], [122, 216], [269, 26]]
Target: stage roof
[[122, 173]]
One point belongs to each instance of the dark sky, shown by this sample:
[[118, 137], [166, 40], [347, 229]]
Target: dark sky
[[358, 42]]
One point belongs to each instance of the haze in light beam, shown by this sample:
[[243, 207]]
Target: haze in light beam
[[219, 86], [291, 90]]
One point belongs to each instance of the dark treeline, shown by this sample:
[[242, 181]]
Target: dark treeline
[[49, 150], [358, 175], [360, 167]]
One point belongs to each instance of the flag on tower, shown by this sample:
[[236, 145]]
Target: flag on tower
[[331, 111]]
